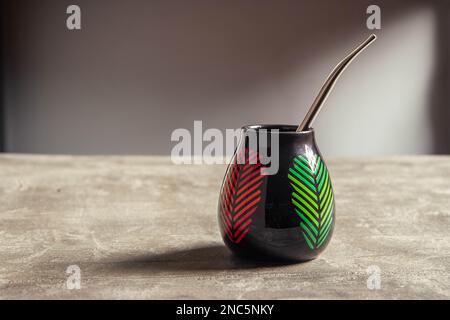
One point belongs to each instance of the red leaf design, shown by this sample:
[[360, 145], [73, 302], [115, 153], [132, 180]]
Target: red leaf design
[[241, 194]]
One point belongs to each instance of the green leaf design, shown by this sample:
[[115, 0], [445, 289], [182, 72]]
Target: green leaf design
[[312, 197]]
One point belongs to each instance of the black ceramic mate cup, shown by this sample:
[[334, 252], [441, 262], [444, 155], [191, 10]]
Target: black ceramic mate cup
[[288, 215]]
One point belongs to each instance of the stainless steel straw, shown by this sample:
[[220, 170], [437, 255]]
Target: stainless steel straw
[[329, 84]]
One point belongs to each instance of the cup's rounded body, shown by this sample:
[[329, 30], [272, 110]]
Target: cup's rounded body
[[277, 207]]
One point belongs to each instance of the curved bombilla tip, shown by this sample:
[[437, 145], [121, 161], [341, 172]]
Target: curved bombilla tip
[[330, 82]]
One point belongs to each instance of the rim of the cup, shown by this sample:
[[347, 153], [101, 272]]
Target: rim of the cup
[[282, 128]]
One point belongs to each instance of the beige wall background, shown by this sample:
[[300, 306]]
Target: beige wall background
[[139, 69]]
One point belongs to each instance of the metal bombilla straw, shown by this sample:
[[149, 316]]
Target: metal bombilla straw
[[329, 84]]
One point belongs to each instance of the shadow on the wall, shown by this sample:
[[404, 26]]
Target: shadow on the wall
[[2, 101], [142, 68], [440, 84]]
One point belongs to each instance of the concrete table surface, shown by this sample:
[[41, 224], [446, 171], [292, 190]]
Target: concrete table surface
[[140, 227]]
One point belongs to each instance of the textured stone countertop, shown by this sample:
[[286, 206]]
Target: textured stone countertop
[[140, 227]]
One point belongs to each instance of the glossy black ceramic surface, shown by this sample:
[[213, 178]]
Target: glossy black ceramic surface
[[289, 215]]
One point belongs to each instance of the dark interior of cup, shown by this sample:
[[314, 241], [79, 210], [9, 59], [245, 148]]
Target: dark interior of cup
[[279, 127]]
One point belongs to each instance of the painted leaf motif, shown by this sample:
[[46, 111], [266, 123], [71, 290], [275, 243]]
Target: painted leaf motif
[[312, 198], [241, 194]]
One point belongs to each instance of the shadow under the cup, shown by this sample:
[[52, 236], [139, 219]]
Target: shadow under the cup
[[204, 258]]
